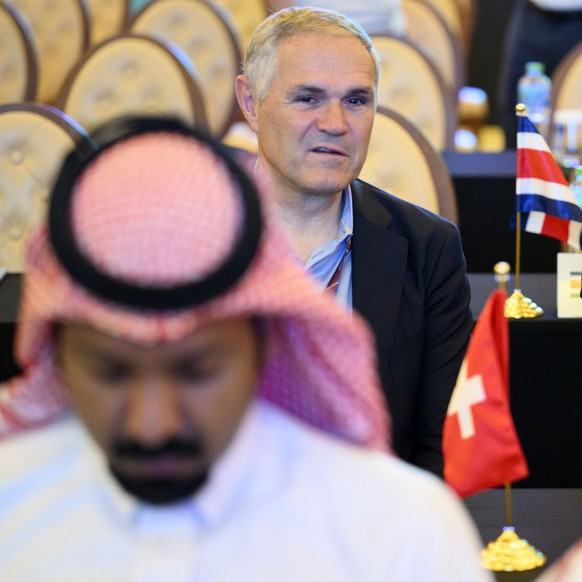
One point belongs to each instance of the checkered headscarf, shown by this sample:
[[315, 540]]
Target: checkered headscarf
[[161, 208]]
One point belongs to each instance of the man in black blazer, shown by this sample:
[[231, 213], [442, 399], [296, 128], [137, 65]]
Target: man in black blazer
[[409, 282], [309, 92]]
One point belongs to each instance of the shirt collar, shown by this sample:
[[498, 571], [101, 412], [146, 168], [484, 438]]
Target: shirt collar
[[345, 231], [119, 501], [347, 220], [233, 475]]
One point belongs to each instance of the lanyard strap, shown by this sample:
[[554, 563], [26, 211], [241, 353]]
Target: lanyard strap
[[335, 278]]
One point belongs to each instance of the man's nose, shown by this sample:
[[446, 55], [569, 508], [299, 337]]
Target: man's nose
[[333, 119], [153, 412]]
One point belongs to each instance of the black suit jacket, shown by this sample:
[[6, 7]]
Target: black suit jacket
[[409, 281]]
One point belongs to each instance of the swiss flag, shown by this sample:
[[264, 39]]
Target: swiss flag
[[480, 445]]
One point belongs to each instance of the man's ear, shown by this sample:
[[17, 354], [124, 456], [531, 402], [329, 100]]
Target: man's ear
[[247, 101]]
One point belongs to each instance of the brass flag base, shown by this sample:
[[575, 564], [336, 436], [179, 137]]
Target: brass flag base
[[510, 553], [519, 307]]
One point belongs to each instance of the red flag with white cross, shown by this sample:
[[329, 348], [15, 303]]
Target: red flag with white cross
[[480, 444]]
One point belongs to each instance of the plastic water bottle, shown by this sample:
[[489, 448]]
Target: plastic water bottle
[[576, 185], [534, 90]]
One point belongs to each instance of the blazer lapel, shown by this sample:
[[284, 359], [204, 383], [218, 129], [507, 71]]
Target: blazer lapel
[[378, 269]]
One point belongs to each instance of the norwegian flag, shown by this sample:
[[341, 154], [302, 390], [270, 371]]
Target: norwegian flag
[[544, 197]]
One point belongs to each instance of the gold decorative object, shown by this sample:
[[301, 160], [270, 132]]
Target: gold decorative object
[[510, 553], [519, 307], [516, 306]]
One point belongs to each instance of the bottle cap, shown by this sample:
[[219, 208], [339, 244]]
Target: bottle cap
[[534, 67]]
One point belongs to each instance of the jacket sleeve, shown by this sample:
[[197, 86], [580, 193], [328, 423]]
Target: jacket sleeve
[[448, 326]]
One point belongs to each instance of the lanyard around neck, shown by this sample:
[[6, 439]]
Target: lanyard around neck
[[333, 284]]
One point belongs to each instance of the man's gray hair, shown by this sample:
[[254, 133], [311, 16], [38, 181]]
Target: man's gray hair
[[259, 62]]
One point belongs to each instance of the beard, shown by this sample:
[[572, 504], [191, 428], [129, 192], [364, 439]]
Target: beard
[[159, 490]]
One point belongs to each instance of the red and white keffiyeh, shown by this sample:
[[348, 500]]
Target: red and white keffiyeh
[[162, 208]]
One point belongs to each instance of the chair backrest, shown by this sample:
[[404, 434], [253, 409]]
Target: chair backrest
[[247, 15], [18, 58], [61, 36], [135, 5], [567, 94], [106, 18], [34, 139], [411, 85], [132, 75], [401, 161], [450, 11], [427, 28], [207, 35], [467, 14]]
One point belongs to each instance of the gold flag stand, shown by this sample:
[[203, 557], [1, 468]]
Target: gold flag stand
[[509, 552], [517, 306]]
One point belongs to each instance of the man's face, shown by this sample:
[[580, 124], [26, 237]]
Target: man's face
[[314, 124], [162, 414]]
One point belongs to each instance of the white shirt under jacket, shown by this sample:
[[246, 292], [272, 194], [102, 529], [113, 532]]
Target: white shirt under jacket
[[284, 503]]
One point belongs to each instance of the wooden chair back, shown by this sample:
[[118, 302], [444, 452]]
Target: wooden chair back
[[34, 140], [206, 33], [401, 161], [411, 85], [18, 56], [133, 75]]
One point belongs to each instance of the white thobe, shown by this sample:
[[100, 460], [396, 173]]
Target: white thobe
[[284, 502]]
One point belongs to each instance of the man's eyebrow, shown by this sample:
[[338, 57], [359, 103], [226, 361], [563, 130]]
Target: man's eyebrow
[[355, 91], [98, 353], [201, 353], [313, 89]]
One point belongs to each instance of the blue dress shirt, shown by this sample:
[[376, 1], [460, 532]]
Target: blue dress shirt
[[325, 259]]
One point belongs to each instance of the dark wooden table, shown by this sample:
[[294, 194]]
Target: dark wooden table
[[545, 383]]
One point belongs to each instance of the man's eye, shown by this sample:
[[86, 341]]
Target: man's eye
[[195, 372], [357, 101], [306, 99], [112, 373]]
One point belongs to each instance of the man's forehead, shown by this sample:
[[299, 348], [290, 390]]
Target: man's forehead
[[92, 336], [304, 41], [314, 58]]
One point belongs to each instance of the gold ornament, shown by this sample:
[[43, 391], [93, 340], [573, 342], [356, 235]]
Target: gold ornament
[[510, 553]]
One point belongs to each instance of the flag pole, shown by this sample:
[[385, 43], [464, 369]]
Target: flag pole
[[508, 520], [502, 270], [517, 248], [517, 306], [509, 552]]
